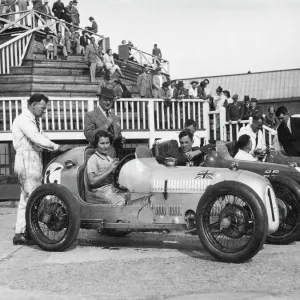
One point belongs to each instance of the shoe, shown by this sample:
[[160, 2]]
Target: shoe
[[66, 58], [22, 239], [55, 57]]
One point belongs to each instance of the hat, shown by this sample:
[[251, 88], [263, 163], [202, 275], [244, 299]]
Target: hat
[[206, 80], [253, 100], [173, 81], [106, 92], [158, 69], [246, 98], [74, 1], [219, 89], [235, 96], [194, 81], [180, 82], [165, 84]]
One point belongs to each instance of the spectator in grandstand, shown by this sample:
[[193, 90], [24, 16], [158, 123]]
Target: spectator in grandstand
[[84, 41], [12, 9], [23, 6], [144, 83], [256, 135], [228, 100], [157, 53], [72, 41], [118, 91], [165, 94], [218, 100], [180, 91], [172, 87], [104, 118], [193, 92], [106, 81], [234, 112], [246, 108], [58, 9], [110, 63], [75, 14], [288, 132], [255, 110], [38, 7], [94, 27], [203, 90], [93, 58], [68, 12], [244, 146], [157, 82], [46, 10], [60, 44], [271, 119], [49, 46]]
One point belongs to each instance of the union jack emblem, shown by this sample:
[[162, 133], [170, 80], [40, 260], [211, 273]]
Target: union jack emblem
[[205, 175]]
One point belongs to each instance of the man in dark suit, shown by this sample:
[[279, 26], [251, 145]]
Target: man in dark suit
[[246, 108], [104, 118], [59, 10], [84, 41], [288, 132], [144, 83], [234, 112], [255, 110]]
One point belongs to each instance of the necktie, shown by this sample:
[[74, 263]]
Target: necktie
[[256, 139], [37, 121], [107, 113]]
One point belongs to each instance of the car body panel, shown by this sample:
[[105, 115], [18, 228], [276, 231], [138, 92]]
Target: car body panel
[[279, 157], [159, 194]]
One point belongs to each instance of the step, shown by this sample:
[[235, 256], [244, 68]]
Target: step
[[42, 56], [69, 64]]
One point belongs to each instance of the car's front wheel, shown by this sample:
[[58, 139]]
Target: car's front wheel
[[53, 217], [231, 221], [287, 192]]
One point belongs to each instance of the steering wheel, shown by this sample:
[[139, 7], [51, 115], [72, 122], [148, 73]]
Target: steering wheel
[[123, 161]]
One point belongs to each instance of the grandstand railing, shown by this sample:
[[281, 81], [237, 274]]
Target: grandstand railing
[[141, 118]]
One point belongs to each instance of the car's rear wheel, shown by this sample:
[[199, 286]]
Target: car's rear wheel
[[53, 217], [231, 221], [287, 192]]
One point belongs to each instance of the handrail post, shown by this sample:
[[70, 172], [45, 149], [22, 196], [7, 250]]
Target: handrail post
[[91, 104], [151, 122], [222, 115], [24, 104], [206, 120]]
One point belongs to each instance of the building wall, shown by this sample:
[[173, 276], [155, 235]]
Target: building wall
[[270, 88]]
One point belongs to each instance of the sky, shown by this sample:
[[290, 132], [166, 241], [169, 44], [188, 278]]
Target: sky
[[204, 37]]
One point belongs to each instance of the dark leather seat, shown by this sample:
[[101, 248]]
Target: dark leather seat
[[160, 149]]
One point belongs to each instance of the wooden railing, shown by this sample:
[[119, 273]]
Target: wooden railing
[[13, 51], [140, 118], [142, 57]]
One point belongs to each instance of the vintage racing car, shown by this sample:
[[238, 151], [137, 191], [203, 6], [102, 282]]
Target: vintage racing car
[[285, 181], [280, 157], [232, 211]]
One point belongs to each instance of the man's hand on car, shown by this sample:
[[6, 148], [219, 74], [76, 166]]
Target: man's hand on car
[[64, 148]]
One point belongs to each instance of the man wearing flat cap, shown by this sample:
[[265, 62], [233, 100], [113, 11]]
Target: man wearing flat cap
[[104, 118], [180, 92], [234, 112], [255, 110], [144, 83], [193, 92], [203, 90], [246, 108]]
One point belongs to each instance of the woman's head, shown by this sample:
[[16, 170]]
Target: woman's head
[[244, 143], [109, 51], [102, 141], [186, 140], [271, 110]]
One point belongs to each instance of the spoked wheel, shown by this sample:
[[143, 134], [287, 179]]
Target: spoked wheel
[[118, 169], [53, 217], [287, 192], [231, 221]]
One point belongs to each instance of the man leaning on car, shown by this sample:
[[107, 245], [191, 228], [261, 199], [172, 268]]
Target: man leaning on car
[[104, 118], [29, 141]]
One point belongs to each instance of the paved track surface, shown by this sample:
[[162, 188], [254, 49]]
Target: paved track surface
[[141, 266]]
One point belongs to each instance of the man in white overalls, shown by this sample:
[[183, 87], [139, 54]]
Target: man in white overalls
[[29, 141]]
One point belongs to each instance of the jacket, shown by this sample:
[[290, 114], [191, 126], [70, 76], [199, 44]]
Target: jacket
[[234, 112], [157, 85], [144, 83], [58, 9], [290, 141], [91, 53], [95, 121]]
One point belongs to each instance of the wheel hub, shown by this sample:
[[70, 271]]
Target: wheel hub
[[55, 217], [283, 209]]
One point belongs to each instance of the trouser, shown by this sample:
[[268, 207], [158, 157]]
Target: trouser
[[93, 68], [68, 46], [75, 45], [23, 7], [63, 48], [112, 68], [28, 168]]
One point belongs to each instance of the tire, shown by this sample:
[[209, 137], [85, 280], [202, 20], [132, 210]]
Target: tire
[[249, 208], [288, 191], [60, 212]]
